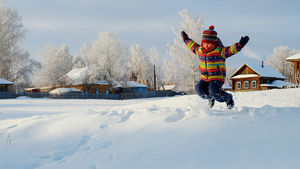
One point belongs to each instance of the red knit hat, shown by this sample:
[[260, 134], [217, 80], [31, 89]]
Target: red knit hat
[[210, 36]]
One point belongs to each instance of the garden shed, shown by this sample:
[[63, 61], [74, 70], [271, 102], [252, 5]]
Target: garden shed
[[4, 85]]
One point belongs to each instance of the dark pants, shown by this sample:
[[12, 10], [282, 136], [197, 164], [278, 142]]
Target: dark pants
[[212, 90]]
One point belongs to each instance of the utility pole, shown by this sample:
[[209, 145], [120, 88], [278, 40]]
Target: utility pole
[[154, 76]]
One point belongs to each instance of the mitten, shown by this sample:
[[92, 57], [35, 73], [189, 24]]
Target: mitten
[[244, 40], [184, 36]]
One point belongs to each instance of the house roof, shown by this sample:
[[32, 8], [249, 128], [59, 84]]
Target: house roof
[[276, 83], [294, 57], [265, 71], [65, 90], [225, 86], [245, 76], [3, 81], [129, 84], [168, 87], [76, 75]]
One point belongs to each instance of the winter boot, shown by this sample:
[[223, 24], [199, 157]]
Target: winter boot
[[230, 104], [211, 103]]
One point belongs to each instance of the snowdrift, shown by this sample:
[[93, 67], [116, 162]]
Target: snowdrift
[[262, 131]]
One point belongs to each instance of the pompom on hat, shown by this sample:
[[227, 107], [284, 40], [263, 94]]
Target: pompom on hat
[[210, 36]]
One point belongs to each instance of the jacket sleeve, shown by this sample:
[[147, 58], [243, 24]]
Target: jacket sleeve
[[228, 51], [192, 45]]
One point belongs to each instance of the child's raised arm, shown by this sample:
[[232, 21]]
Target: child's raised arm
[[235, 48], [192, 45]]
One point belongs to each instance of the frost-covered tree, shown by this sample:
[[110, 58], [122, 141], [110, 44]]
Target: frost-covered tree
[[107, 58], [56, 62], [185, 64], [156, 60], [140, 67], [229, 72], [15, 63], [278, 61], [78, 62]]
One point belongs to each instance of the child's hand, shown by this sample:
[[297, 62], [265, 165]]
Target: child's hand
[[184, 36], [244, 40]]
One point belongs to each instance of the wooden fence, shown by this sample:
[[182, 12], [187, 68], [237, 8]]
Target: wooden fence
[[8, 95], [121, 96]]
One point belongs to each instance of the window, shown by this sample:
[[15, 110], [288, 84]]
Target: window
[[254, 84], [239, 85], [246, 84]]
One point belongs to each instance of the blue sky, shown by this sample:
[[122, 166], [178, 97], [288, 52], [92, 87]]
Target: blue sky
[[268, 23]]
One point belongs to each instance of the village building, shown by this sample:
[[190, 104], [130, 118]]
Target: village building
[[296, 61], [226, 87], [253, 77], [78, 78], [170, 88], [65, 90], [4, 85]]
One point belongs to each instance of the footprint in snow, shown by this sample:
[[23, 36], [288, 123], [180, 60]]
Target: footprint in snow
[[126, 117], [92, 166], [178, 115], [60, 155], [103, 126], [10, 127]]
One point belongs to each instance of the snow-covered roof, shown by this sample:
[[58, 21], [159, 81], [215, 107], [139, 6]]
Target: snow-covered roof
[[245, 76], [280, 83], [225, 86], [276, 83], [64, 90], [135, 84], [263, 71], [294, 57], [76, 75], [129, 84], [3, 81], [168, 87]]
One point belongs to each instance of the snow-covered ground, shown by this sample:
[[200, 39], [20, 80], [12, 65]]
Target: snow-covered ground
[[261, 132]]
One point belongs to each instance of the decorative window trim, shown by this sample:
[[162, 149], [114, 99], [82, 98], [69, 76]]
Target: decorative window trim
[[239, 85], [255, 84], [246, 84]]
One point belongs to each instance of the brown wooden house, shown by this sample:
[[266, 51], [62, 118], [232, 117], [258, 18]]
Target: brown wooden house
[[296, 61], [252, 77]]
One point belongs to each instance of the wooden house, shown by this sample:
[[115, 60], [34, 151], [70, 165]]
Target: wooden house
[[252, 77], [77, 78], [296, 61], [4, 85]]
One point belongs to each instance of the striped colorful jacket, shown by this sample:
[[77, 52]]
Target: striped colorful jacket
[[212, 64]]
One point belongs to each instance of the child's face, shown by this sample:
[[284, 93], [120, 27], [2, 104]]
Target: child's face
[[208, 46]]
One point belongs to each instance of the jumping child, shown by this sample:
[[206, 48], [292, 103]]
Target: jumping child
[[212, 55]]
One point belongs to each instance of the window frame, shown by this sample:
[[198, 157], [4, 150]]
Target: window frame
[[246, 82], [254, 81], [239, 85]]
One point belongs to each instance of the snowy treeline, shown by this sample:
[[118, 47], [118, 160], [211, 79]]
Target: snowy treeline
[[107, 59]]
